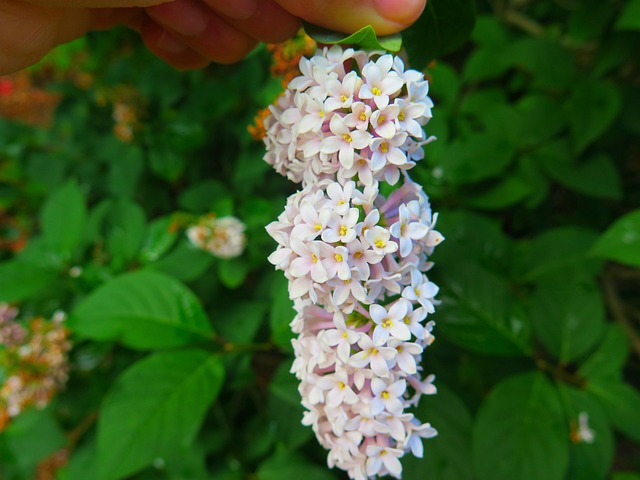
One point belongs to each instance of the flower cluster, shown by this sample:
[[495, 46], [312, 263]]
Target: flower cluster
[[223, 237], [23, 101], [356, 259], [34, 361]]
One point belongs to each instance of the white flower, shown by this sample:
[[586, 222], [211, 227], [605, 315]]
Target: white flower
[[388, 457], [380, 83], [378, 237], [377, 357], [389, 323], [421, 290], [308, 261], [387, 397], [339, 390], [405, 230], [344, 141]]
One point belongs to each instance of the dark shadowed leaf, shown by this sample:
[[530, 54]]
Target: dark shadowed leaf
[[155, 407], [609, 357], [621, 241], [480, 312], [520, 432], [447, 456], [620, 402], [443, 27]]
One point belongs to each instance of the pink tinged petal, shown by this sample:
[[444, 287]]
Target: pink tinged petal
[[416, 230], [398, 310], [393, 405], [380, 335], [341, 294], [381, 101], [373, 466], [396, 156], [360, 359], [400, 330], [350, 397], [300, 266], [360, 139], [391, 84], [290, 116], [280, 256], [376, 406], [378, 313], [406, 245], [330, 236], [407, 363], [393, 465], [346, 156], [344, 273], [359, 293], [409, 293], [379, 366], [331, 144], [319, 273], [334, 397], [396, 389], [434, 238], [385, 130], [378, 386]]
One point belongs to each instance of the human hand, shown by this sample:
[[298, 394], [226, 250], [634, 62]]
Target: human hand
[[187, 33]]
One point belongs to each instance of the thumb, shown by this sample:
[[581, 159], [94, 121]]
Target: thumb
[[348, 16]]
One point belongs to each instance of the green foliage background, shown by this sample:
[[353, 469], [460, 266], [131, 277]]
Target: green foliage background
[[180, 364]]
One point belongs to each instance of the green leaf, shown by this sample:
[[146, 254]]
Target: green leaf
[[592, 108], [475, 157], [200, 197], [167, 164], [556, 249], [609, 358], [242, 321], [63, 218], [143, 310], [629, 19], [479, 312], [549, 65], [620, 402], [443, 27], [287, 465], [126, 165], [471, 236], [626, 476], [447, 456], [281, 313], [520, 432], [127, 229], [568, 316], [154, 407], [185, 262], [232, 272], [161, 236], [511, 190], [33, 436], [20, 280], [365, 38], [285, 408], [621, 241], [589, 461]]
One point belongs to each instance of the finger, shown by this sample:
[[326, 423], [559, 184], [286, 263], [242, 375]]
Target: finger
[[220, 41], [386, 16], [269, 22], [95, 3], [28, 32], [168, 46]]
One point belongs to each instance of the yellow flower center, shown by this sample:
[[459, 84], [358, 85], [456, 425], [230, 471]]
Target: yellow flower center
[[384, 147], [344, 98], [387, 323], [401, 116], [379, 243], [343, 230], [381, 119], [347, 137], [317, 227], [314, 258], [363, 117], [385, 395], [357, 254], [341, 385], [376, 91], [338, 257]]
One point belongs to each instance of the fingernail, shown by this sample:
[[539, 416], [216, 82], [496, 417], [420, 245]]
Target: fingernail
[[169, 43]]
